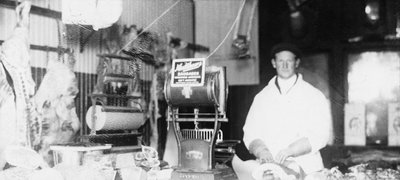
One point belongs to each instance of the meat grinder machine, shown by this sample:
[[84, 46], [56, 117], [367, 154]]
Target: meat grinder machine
[[196, 95]]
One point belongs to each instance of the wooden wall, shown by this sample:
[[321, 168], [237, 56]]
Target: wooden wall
[[44, 32], [213, 22]]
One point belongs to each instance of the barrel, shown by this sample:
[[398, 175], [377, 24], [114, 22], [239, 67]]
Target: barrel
[[212, 93]]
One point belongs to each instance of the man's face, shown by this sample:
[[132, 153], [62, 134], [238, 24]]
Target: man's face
[[285, 63]]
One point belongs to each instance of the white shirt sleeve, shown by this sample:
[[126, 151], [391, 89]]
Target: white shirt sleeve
[[318, 125], [253, 120]]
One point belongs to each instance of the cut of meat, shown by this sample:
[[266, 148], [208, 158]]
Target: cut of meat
[[55, 104], [17, 85], [20, 156]]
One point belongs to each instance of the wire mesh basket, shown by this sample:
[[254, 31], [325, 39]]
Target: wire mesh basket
[[203, 134]]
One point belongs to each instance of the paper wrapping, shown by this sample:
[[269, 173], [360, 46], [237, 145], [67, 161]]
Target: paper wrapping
[[114, 120]]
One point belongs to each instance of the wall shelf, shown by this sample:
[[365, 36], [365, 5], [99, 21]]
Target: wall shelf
[[115, 96]]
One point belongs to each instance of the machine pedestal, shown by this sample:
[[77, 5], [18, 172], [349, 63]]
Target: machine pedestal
[[219, 173], [200, 175]]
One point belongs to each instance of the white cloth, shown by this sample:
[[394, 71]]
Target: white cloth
[[244, 169], [281, 119]]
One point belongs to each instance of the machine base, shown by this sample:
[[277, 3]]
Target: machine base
[[225, 173], [204, 175]]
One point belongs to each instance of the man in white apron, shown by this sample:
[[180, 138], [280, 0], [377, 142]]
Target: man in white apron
[[289, 120]]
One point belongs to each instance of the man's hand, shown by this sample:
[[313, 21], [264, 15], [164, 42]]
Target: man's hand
[[264, 156], [283, 155], [297, 148], [22, 12]]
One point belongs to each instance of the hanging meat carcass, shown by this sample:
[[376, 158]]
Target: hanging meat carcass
[[55, 104], [47, 118], [17, 84]]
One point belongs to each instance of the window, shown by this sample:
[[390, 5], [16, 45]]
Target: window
[[373, 80]]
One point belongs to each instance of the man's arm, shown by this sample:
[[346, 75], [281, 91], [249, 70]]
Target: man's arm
[[258, 148], [251, 137], [297, 148], [315, 134]]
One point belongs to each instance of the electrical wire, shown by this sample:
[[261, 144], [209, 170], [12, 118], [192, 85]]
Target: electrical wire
[[148, 26], [230, 30]]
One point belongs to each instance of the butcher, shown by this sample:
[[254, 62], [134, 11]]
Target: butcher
[[288, 121]]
